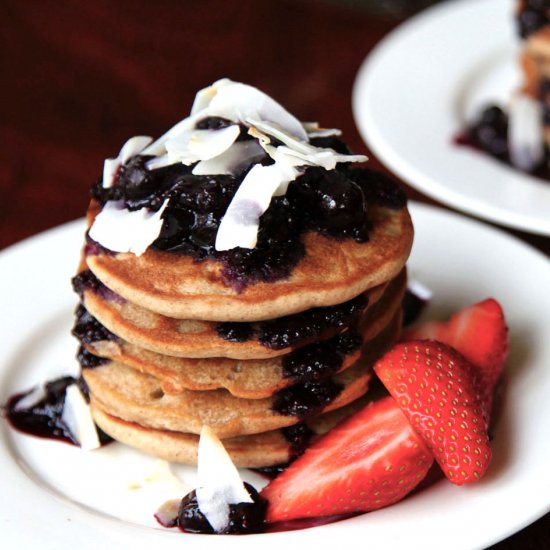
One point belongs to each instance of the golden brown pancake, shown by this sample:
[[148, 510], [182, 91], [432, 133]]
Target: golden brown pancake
[[200, 339], [331, 272], [249, 379], [136, 397], [249, 451]]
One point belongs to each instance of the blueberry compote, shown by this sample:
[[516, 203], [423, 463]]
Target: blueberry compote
[[86, 280], [87, 329], [306, 398], [489, 134], [334, 203], [44, 418], [317, 361], [245, 517], [297, 329]]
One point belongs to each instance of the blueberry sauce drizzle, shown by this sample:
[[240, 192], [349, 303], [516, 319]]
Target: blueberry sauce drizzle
[[44, 418], [87, 329], [244, 517], [88, 360], [86, 280], [306, 398], [297, 329], [319, 360], [489, 134], [335, 203], [299, 436]]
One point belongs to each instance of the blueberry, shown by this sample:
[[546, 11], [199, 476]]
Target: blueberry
[[87, 329], [305, 399]]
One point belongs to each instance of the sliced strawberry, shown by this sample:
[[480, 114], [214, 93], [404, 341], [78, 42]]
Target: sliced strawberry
[[371, 460], [478, 332], [435, 387]]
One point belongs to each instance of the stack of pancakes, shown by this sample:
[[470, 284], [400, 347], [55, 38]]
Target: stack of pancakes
[[267, 367]]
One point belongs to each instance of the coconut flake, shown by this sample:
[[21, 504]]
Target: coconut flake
[[232, 161], [201, 144], [204, 97], [219, 482], [233, 101], [240, 102], [314, 130], [304, 152], [131, 148], [526, 132], [77, 417], [167, 513], [122, 230], [240, 224], [33, 397]]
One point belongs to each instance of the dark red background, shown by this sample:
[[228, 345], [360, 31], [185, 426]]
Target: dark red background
[[80, 77]]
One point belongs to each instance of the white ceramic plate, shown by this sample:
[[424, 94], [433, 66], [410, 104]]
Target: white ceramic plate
[[420, 85], [62, 498]]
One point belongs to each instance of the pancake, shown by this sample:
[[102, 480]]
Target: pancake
[[249, 379], [199, 339], [249, 451], [331, 272], [136, 397]]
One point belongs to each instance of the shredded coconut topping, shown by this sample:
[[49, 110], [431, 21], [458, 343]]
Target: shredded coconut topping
[[217, 151]]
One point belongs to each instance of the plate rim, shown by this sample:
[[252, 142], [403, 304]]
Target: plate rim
[[399, 163]]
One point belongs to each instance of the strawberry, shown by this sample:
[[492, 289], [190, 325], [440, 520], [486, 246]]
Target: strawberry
[[478, 332], [371, 460], [435, 386]]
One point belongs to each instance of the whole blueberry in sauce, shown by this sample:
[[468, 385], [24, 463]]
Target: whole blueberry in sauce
[[244, 517]]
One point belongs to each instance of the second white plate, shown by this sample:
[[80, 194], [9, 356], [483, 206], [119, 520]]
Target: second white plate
[[420, 85]]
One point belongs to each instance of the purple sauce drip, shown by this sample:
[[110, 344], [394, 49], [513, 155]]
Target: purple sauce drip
[[306, 398], [88, 360], [87, 329], [299, 436], [44, 418], [86, 280], [489, 134], [320, 360], [297, 329]]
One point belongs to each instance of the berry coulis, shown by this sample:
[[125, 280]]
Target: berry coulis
[[296, 329], [489, 134], [44, 418]]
